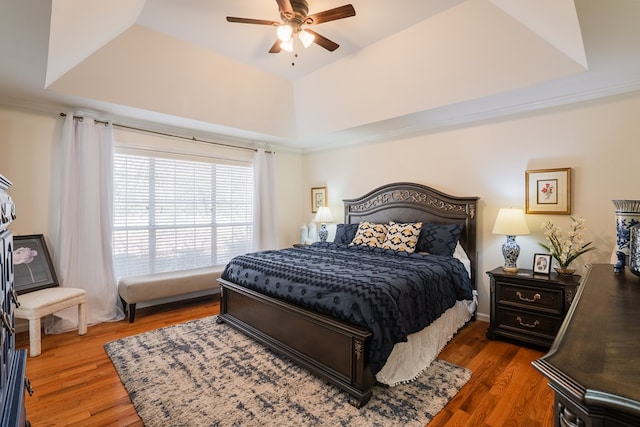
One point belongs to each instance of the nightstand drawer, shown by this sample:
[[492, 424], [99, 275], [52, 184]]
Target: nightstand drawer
[[528, 323], [547, 300]]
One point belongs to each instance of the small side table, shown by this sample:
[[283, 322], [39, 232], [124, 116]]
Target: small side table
[[529, 307]]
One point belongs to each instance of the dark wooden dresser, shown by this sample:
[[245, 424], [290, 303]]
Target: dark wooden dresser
[[529, 307], [593, 365], [12, 362]]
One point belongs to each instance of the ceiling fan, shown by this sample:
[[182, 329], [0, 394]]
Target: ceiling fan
[[295, 14]]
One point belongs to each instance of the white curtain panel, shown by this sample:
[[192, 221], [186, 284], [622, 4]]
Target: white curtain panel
[[83, 251], [265, 231]]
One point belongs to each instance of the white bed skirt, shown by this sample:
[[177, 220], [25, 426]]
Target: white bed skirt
[[409, 359]]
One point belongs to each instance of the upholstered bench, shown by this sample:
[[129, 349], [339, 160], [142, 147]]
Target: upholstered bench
[[35, 305], [149, 287]]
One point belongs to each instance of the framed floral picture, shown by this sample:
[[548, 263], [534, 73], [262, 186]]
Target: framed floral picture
[[548, 191], [318, 198], [32, 266]]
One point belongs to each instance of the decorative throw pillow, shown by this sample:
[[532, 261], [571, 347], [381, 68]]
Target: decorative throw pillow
[[439, 239], [370, 234], [345, 233], [402, 236]]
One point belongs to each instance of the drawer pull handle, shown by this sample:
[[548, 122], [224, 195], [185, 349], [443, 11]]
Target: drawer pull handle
[[528, 325], [568, 418], [14, 297], [535, 298], [6, 322]]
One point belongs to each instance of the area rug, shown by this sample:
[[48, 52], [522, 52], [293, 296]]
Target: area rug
[[201, 373]]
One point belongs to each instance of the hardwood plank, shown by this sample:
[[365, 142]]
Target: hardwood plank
[[75, 383]]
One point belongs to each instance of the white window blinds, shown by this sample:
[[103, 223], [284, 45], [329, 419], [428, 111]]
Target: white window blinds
[[174, 214]]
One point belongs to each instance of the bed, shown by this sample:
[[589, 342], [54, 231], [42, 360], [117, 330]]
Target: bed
[[289, 299]]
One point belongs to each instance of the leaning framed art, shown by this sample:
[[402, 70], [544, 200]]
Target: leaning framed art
[[32, 266], [548, 191]]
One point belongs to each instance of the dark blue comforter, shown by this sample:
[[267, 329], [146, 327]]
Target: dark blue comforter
[[393, 294]]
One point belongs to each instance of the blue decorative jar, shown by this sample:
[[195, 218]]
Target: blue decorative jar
[[627, 215], [634, 250]]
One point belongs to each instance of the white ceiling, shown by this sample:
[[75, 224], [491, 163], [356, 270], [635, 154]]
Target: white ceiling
[[403, 67]]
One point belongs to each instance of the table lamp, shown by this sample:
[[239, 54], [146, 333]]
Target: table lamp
[[323, 216], [511, 223]]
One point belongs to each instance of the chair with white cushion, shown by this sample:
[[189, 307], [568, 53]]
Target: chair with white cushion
[[35, 305]]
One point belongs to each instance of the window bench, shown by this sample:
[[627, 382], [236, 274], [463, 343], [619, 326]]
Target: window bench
[[162, 285]]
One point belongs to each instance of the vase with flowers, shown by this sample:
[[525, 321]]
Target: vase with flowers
[[565, 249]]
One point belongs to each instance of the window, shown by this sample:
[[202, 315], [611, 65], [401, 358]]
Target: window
[[174, 214]]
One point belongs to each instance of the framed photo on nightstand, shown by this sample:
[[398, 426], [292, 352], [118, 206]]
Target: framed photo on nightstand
[[542, 264]]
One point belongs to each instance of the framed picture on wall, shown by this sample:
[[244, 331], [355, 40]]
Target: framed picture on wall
[[542, 264], [32, 266], [548, 191], [318, 198]]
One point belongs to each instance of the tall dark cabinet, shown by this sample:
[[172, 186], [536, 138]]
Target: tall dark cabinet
[[12, 362]]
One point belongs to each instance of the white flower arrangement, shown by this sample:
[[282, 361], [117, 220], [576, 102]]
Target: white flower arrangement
[[566, 250]]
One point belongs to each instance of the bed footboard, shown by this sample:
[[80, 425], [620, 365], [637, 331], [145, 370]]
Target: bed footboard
[[333, 350]]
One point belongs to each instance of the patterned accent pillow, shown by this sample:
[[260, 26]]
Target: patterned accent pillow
[[370, 234], [402, 236], [439, 239], [345, 233]]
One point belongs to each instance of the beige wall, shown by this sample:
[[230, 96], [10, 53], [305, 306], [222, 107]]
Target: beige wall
[[599, 140], [26, 159]]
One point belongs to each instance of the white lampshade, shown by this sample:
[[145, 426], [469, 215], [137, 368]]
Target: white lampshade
[[287, 45], [306, 38], [511, 222], [323, 215], [284, 32]]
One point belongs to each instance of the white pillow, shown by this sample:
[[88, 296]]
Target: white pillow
[[460, 254]]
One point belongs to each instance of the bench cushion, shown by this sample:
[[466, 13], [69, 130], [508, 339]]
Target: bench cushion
[[155, 286]]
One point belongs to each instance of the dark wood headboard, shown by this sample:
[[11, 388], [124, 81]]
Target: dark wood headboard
[[410, 202]]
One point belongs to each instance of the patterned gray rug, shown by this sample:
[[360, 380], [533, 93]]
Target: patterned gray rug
[[200, 373]]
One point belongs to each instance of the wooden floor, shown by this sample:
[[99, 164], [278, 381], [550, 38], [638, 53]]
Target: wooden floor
[[76, 384]]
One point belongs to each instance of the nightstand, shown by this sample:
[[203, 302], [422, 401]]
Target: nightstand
[[529, 307]]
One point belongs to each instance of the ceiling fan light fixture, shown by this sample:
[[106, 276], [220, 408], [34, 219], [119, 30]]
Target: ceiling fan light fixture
[[306, 38], [287, 45], [284, 32]]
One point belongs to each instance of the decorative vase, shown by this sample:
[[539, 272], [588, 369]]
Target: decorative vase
[[627, 215], [634, 250], [565, 271]]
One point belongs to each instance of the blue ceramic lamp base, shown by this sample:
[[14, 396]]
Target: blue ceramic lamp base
[[510, 251]]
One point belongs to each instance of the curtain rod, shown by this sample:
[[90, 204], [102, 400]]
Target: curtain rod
[[192, 138]]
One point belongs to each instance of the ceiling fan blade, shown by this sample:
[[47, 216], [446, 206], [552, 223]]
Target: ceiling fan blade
[[285, 8], [331, 15], [252, 21], [323, 41], [276, 47]]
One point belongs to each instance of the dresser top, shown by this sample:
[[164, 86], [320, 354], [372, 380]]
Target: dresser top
[[597, 351]]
